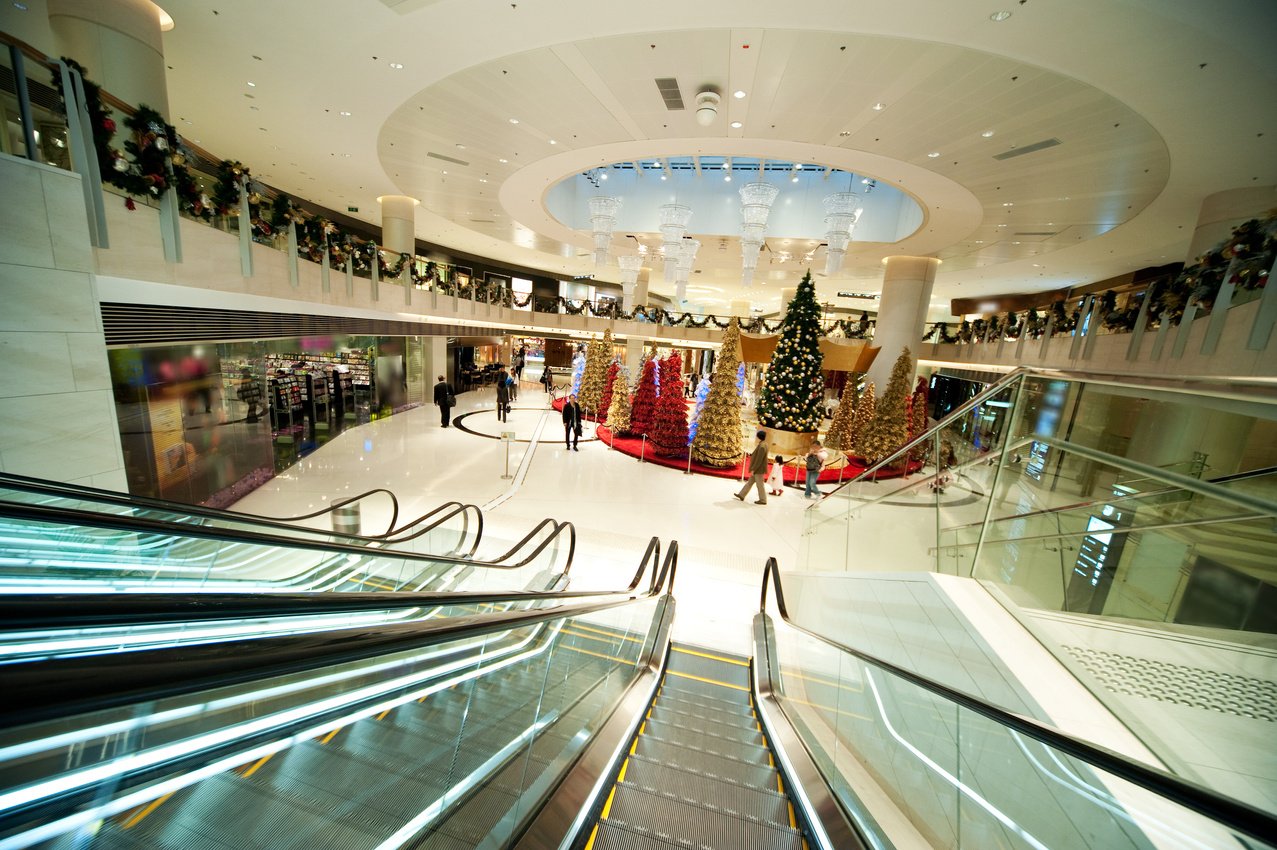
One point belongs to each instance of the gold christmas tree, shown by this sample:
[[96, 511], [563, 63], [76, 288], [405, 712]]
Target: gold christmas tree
[[597, 355], [889, 429], [618, 413], [718, 438], [839, 435], [865, 406]]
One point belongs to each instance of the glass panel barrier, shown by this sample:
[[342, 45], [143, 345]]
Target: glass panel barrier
[[459, 741]]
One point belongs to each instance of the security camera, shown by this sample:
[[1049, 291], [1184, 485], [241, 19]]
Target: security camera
[[706, 107]]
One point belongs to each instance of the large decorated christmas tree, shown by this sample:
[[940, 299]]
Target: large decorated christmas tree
[[889, 429], [839, 434], [605, 402], [866, 403], [618, 412], [669, 423], [718, 438], [644, 405], [596, 357], [918, 421], [791, 397]]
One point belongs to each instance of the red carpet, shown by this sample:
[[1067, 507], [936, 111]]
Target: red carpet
[[794, 473]]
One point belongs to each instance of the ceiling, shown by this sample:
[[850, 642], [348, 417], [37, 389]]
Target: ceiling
[[1155, 105]]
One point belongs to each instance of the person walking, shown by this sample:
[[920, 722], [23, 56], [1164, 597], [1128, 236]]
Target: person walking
[[571, 423], [816, 457], [446, 400], [547, 378], [513, 383], [503, 396], [757, 471], [776, 478]]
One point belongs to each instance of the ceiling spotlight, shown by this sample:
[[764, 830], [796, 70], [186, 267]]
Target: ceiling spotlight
[[252, 85], [999, 17], [514, 120], [503, 160], [460, 146], [988, 134], [707, 107], [727, 178], [553, 142], [879, 107], [345, 114], [738, 94], [934, 154], [662, 176], [1008, 204], [398, 66], [736, 125], [603, 176], [793, 179]]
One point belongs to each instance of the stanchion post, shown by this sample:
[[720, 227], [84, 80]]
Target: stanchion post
[[507, 437], [742, 465], [643, 449], [689, 462]]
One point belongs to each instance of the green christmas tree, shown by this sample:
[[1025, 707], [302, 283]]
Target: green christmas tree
[[718, 437], [792, 390], [918, 421], [618, 412], [889, 429], [866, 403], [669, 422], [839, 435], [597, 355]]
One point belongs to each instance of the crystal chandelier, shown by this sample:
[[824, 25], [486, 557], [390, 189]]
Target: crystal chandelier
[[674, 218], [602, 220], [630, 265], [756, 205], [686, 258], [841, 214]]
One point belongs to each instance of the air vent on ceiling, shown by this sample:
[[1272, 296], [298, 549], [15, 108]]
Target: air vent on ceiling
[[1037, 233], [1033, 148], [445, 158], [668, 87], [482, 221]]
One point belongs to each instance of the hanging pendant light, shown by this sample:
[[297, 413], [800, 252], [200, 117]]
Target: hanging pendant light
[[841, 215], [756, 206], [602, 221], [673, 219]]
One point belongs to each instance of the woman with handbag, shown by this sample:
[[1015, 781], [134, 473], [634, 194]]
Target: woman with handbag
[[571, 423]]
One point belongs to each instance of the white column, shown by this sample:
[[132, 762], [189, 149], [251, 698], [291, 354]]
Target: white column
[[640, 290], [741, 309], [119, 43], [398, 223], [906, 292]]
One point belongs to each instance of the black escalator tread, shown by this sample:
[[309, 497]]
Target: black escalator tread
[[176, 837], [755, 775], [674, 726], [619, 836], [711, 746], [687, 704], [762, 804], [709, 666], [698, 826], [697, 689]]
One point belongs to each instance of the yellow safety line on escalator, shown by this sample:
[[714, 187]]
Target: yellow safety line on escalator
[[383, 714], [330, 735], [256, 766], [599, 654], [150, 807], [780, 785], [793, 821], [709, 681], [610, 642], [607, 807], [709, 656], [380, 585], [584, 627]]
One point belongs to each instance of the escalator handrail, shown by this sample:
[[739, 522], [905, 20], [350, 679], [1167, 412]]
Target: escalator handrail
[[1233, 814], [71, 685], [70, 610], [72, 516], [457, 509], [66, 490]]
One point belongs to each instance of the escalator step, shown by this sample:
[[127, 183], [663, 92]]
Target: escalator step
[[708, 665], [619, 836], [733, 728], [699, 708], [734, 770], [707, 745], [697, 689], [696, 826], [763, 804]]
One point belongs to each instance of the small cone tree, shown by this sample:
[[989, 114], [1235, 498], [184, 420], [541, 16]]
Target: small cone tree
[[718, 438], [839, 435], [578, 373], [644, 405], [865, 406], [596, 357], [889, 429], [605, 402], [618, 412], [669, 424], [918, 421], [792, 390]]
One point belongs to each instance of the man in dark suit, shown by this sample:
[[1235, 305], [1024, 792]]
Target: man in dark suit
[[757, 471], [444, 398], [571, 423]]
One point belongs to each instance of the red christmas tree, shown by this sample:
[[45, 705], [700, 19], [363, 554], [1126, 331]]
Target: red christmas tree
[[669, 428], [644, 401], [608, 381]]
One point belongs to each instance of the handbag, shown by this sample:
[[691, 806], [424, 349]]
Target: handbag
[[450, 400], [578, 429]]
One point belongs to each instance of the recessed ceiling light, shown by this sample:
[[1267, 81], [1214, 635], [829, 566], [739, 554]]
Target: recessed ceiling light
[[1015, 243], [934, 154], [845, 133], [603, 176], [460, 146], [514, 120], [1008, 204], [503, 160], [1037, 265], [345, 114], [999, 17], [988, 134], [879, 107], [793, 179], [445, 172], [736, 125], [483, 180], [553, 142], [252, 84], [1001, 225], [21, 7], [398, 66], [738, 94], [662, 176], [727, 178]]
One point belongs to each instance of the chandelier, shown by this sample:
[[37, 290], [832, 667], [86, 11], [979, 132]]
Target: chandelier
[[841, 215], [602, 220], [673, 218], [756, 205], [686, 258]]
